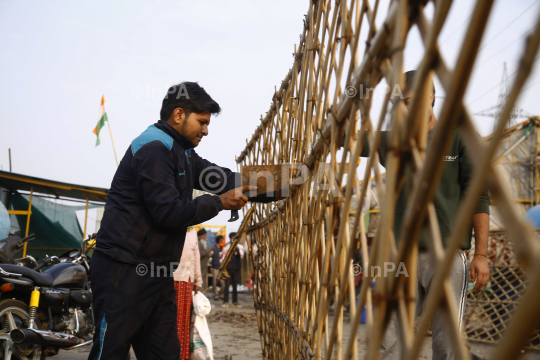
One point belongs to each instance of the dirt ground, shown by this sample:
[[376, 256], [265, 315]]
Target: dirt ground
[[235, 336], [234, 330]]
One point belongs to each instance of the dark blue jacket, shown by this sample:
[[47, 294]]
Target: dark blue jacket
[[150, 206], [216, 261], [236, 260]]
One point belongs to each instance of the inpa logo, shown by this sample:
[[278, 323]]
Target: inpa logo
[[450, 158]]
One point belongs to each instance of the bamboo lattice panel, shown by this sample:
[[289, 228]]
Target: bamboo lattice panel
[[304, 243], [489, 311]]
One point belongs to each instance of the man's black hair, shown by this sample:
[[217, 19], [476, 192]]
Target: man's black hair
[[409, 79], [191, 98], [231, 235], [219, 238]]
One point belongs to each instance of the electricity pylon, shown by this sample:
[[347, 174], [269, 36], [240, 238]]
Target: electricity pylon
[[496, 111]]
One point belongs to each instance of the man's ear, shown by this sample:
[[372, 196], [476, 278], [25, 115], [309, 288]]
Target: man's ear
[[178, 116]]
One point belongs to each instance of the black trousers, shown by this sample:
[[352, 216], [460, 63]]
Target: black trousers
[[234, 280], [132, 309]]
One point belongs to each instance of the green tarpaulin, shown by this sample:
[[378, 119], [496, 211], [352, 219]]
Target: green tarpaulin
[[54, 224]]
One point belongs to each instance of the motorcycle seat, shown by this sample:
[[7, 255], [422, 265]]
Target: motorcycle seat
[[40, 279]]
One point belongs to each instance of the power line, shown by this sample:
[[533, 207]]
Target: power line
[[528, 87], [496, 111], [493, 38], [455, 31], [506, 47], [507, 26], [496, 86], [487, 92]]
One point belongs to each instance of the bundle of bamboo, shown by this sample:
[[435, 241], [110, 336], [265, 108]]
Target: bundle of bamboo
[[304, 244]]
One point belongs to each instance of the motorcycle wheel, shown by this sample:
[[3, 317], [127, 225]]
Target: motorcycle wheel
[[14, 315]]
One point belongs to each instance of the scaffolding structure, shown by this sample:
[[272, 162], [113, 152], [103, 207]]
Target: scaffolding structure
[[488, 312], [304, 244]]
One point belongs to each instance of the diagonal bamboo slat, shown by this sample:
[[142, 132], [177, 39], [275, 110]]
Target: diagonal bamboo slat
[[302, 246]]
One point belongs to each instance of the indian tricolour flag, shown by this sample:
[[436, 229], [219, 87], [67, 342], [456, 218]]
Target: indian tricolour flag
[[102, 119]]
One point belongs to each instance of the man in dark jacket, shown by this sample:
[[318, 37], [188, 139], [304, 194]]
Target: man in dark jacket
[[216, 263], [234, 268], [149, 208], [456, 176]]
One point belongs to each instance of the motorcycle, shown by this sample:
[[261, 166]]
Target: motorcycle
[[11, 246], [43, 312], [78, 256]]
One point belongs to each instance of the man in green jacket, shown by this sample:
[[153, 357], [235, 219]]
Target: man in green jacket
[[451, 190]]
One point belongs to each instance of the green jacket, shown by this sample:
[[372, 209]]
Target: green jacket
[[456, 177]]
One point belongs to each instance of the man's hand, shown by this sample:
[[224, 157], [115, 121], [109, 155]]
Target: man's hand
[[235, 199], [196, 289], [479, 272]]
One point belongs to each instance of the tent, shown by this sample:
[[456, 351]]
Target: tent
[[517, 164], [45, 208]]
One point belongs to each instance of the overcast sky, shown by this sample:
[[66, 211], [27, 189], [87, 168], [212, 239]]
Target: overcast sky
[[58, 58]]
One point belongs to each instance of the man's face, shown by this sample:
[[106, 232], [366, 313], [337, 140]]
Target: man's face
[[407, 99], [193, 127], [202, 237]]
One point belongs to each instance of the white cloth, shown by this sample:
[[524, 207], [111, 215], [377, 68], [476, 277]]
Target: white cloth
[[239, 247], [190, 262], [201, 308]]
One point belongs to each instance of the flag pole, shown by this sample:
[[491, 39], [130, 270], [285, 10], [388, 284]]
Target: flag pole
[[114, 148], [110, 132]]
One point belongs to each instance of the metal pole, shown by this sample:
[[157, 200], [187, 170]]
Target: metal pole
[[28, 218], [114, 149], [9, 159], [85, 217]]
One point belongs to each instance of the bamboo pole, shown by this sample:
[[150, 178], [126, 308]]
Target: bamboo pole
[[241, 230]]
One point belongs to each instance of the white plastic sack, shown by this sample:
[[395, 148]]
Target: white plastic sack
[[201, 308]]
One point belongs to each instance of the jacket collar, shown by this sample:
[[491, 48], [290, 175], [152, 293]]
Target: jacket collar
[[164, 126]]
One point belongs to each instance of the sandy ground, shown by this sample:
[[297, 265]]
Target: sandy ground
[[234, 330], [235, 336]]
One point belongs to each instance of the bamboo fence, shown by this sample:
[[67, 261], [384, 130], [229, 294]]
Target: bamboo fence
[[303, 243], [489, 311]]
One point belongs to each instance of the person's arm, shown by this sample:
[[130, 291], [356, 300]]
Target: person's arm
[[479, 269], [223, 254], [220, 181], [154, 168], [212, 253], [365, 145], [212, 178], [382, 146], [197, 270], [204, 252]]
